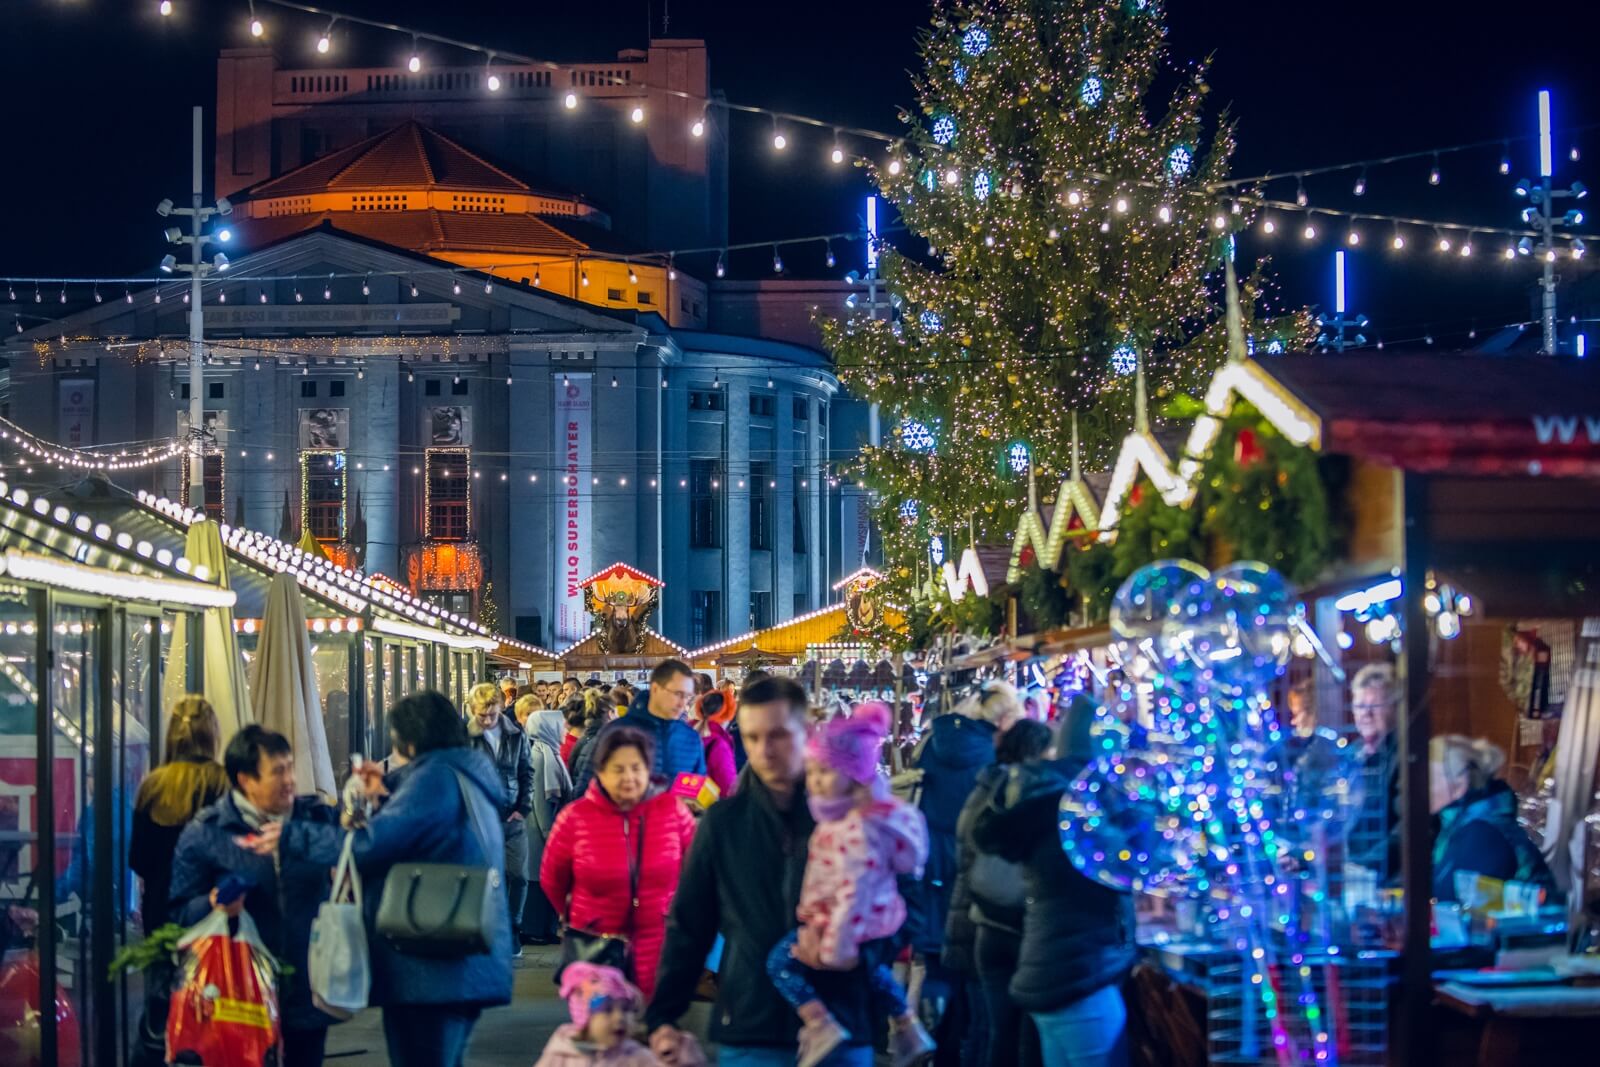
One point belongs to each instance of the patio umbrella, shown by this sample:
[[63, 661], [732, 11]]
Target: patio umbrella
[[222, 673], [283, 687], [311, 546]]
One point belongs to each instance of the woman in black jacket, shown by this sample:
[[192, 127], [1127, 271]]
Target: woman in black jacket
[[1077, 935], [984, 931]]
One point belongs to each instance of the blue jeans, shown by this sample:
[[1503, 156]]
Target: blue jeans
[[793, 980], [1092, 1032], [428, 1035], [770, 1056]]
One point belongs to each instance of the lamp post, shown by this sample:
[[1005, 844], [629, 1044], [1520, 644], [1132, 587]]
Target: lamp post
[[1333, 335], [1541, 215], [197, 269]]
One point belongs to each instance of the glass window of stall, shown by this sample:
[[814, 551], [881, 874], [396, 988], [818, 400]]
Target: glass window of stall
[[21, 855], [372, 691], [331, 657]]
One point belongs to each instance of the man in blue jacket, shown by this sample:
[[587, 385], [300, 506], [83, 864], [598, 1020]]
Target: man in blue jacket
[[284, 846], [679, 749]]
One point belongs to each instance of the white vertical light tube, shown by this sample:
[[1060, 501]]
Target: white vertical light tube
[[1546, 161], [872, 233], [1338, 281]]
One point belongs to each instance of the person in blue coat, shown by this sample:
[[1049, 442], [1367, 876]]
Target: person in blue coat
[[285, 846], [430, 1004], [661, 714]]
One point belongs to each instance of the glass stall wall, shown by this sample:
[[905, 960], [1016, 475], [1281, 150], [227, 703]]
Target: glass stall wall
[[21, 877], [331, 658]]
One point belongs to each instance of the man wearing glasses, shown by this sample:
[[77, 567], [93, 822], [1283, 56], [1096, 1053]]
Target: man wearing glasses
[[1375, 838], [678, 748]]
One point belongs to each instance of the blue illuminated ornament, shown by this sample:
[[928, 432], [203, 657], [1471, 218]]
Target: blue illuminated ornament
[[909, 510], [944, 129], [1125, 358], [975, 42], [1018, 457], [959, 73], [1179, 160], [936, 550], [929, 179], [931, 322], [1092, 91], [1275, 347], [981, 185], [916, 435], [1123, 823], [1142, 611]]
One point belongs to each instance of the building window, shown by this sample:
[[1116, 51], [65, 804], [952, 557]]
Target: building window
[[705, 504], [336, 388], [308, 389], [761, 506], [705, 617], [322, 493], [215, 485], [183, 391], [763, 405], [646, 297], [430, 387], [214, 391], [822, 414], [449, 494], [705, 400], [802, 604], [802, 409], [801, 511], [614, 294], [458, 386], [760, 610]]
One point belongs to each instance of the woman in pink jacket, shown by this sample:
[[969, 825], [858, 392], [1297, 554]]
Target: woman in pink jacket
[[848, 899], [712, 713]]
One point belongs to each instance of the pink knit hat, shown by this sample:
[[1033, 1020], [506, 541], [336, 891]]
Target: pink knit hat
[[851, 744], [582, 984]]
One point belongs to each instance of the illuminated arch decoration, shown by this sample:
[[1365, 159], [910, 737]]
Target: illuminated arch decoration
[[1245, 378], [1073, 501], [957, 580], [1141, 453]]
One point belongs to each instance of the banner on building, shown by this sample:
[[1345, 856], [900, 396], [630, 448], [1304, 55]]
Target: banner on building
[[855, 528], [76, 413], [327, 428], [574, 508]]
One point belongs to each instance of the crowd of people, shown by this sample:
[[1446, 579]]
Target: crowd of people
[[825, 906]]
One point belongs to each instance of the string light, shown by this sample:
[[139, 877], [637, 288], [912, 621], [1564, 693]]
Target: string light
[[697, 128], [570, 101], [325, 42], [165, 7], [257, 29], [492, 80], [1433, 174], [779, 141], [414, 64], [637, 114], [1310, 232], [1353, 238], [837, 153], [1361, 183], [721, 268]]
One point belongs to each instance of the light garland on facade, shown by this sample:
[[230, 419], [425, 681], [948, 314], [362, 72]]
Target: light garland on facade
[[344, 625], [718, 646], [77, 459]]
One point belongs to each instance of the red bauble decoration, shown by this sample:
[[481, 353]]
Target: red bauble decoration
[[1247, 450], [1136, 497]]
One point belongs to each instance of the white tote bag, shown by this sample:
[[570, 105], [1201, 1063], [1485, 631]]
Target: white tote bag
[[338, 968]]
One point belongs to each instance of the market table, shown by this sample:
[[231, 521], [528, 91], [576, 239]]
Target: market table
[[1564, 1015]]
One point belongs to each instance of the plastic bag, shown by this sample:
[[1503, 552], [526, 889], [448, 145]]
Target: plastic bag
[[19, 1015], [225, 1004], [338, 966]]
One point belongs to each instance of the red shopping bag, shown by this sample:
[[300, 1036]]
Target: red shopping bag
[[225, 1006], [19, 1015]]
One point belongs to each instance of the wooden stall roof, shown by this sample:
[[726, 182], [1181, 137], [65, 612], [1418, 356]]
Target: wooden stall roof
[[1464, 414], [523, 656], [787, 639], [586, 656]]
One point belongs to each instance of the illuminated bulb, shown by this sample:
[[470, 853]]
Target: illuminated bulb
[[494, 83], [951, 176], [1300, 196], [1122, 205], [1466, 247], [1268, 226], [1505, 164], [1164, 213], [830, 259], [779, 142], [777, 262], [1433, 174], [1074, 197], [1221, 222], [1399, 242], [1444, 244], [697, 128], [894, 166], [537, 282], [637, 114], [256, 28], [1310, 231], [166, 7], [1361, 183], [324, 43], [414, 64], [633, 278], [837, 156], [584, 278], [721, 269], [570, 100], [1353, 238], [1510, 252], [263, 296], [413, 288]]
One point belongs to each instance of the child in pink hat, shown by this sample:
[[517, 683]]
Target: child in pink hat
[[603, 1005], [864, 838]]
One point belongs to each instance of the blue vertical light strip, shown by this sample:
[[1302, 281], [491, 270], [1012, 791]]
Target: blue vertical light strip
[[1338, 281], [1583, 346], [1546, 161], [872, 233]]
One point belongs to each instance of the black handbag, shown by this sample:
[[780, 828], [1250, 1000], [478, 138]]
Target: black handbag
[[606, 950], [444, 910]]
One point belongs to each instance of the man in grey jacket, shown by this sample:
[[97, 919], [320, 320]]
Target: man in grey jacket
[[498, 736]]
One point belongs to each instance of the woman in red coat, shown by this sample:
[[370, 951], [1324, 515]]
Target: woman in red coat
[[621, 833]]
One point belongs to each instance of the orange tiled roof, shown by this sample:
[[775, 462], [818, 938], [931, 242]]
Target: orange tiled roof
[[410, 156], [424, 231]]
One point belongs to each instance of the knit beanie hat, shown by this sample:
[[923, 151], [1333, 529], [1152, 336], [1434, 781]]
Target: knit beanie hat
[[582, 984], [851, 745]]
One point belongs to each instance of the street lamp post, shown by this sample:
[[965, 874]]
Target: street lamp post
[[197, 269], [1541, 215]]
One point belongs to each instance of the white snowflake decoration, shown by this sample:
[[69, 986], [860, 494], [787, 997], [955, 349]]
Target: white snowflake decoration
[[975, 42], [909, 510], [1092, 91], [1125, 358], [944, 130], [959, 73], [931, 322], [981, 185], [1179, 160], [1275, 347], [1018, 458], [936, 550], [916, 435]]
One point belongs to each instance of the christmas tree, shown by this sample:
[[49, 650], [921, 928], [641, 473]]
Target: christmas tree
[[488, 610], [1070, 232]]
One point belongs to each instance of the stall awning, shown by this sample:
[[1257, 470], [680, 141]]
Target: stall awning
[[1451, 413]]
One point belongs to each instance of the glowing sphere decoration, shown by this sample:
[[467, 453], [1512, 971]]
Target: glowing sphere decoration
[[1179, 162], [936, 550], [975, 42], [981, 185], [916, 435], [1092, 91], [909, 510], [1122, 823], [930, 321], [1125, 358], [944, 130], [1142, 612]]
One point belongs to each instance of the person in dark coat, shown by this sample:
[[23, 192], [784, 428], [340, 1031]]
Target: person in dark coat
[[1077, 935], [742, 880], [287, 847], [598, 710], [430, 1004], [983, 934], [189, 780], [1475, 813], [496, 734], [660, 713]]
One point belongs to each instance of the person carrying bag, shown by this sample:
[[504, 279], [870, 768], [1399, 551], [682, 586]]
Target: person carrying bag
[[605, 950], [338, 966], [441, 909]]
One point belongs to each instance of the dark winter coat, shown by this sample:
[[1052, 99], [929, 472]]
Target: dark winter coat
[[289, 887], [678, 748], [168, 800], [514, 765], [1480, 833], [742, 880], [988, 890], [587, 864], [1077, 935], [424, 819], [957, 748]]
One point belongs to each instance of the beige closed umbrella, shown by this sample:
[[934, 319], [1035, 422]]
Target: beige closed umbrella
[[283, 687], [222, 673]]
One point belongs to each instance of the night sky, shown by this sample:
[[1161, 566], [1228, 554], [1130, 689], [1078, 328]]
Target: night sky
[[97, 96]]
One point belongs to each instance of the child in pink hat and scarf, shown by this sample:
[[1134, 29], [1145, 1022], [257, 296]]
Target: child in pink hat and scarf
[[603, 1005], [864, 838]]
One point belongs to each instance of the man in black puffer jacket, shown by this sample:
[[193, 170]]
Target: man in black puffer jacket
[[1077, 935]]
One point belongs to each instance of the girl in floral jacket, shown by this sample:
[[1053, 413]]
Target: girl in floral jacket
[[849, 902]]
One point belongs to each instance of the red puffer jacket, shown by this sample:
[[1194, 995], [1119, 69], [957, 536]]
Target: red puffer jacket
[[587, 859]]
